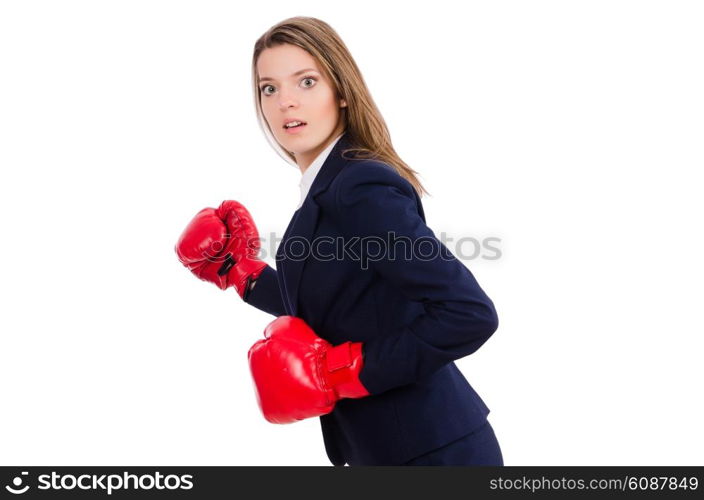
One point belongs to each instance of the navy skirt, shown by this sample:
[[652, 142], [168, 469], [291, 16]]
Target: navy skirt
[[479, 447]]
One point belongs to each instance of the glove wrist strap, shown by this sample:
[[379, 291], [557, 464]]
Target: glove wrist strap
[[243, 272], [344, 363]]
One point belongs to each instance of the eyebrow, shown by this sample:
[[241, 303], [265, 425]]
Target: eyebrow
[[295, 74]]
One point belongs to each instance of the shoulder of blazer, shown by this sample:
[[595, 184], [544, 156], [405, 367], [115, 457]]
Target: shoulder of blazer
[[371, 185], [357, 174]]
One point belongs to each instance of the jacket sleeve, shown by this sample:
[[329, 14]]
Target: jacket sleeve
[[266, 294], [373, 201]]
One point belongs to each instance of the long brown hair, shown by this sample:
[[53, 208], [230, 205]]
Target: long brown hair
[[363, 122]]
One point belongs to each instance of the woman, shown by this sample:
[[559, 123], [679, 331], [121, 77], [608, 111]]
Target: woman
[[372, 308]]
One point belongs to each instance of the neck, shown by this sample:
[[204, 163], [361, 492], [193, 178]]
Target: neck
[[306, 161]]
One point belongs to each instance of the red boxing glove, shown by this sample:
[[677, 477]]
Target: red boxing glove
[[298, 375], [221, 245]]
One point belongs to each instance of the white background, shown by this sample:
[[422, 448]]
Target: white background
[[570, 130]]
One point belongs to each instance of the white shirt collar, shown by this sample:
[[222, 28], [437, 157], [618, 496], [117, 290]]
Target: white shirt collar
[[312, 171]]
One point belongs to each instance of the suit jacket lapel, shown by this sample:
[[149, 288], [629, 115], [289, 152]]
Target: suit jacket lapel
[[295, 246]]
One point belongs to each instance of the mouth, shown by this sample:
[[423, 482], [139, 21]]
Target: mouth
[[296, 128]]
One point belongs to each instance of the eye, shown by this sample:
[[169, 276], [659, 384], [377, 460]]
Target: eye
[[311, 78]]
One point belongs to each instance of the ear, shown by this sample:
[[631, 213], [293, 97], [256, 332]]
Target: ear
[[343, 103]]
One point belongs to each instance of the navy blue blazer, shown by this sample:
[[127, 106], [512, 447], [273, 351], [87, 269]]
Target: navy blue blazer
[[343, 267]]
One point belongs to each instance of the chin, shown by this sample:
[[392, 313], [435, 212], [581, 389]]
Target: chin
[[301, 144]]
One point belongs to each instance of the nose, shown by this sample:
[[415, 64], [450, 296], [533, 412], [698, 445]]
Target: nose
[[286, 99]]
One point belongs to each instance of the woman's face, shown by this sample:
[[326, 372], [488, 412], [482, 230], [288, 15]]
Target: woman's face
[[291, 85]]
